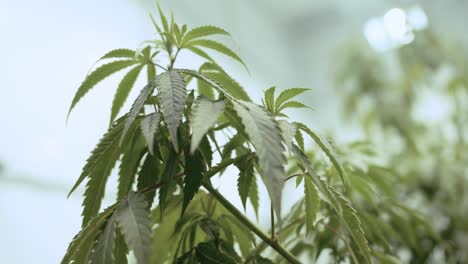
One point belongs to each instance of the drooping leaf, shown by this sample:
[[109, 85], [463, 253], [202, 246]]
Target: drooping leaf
[[123, 90], [149, 127], [288, 94], [299, 139], [195, 169], [219, 47], [80, 248], [120, 248], [312, 203], [150, 72], [210, 228], [172, 95], [103, 250], [353, 225], [134, 221], [289, 131], [203, 31], [265, 136], [98, 75], [148, 176], [138, 104], [326, 147], [270, 99], [205, 113], [206, 79], [246, 176]]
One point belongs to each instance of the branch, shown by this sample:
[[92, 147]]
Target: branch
[[241, 217]]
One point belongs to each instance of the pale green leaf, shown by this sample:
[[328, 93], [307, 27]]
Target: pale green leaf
[[123, 90], [133, 218], [205, 113], [98, 75], [172, 96], [265, 136], [289, 131], [149, 127]]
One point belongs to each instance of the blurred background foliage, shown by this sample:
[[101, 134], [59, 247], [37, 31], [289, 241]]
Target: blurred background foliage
[[397, 113]]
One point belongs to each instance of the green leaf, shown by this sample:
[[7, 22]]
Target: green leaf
[[224, 164], [219, 47], [133, 217], [200, 53], [299, 139], [292, 104], [168, 175], [207, 253], [206, 79], [326, 147], [246, 175], [149, 127], [103, 250], [289, 131], [215, 72], [119, 53], [203, 31], [172, 95], [195, 169], [210, 228], [205, 113], [148, 176], [262, 260], [288, 94], [353, 224], [124, 90], [266, 138], [98, 75], [151, 71], [312, 203], [163, 19], [131, 157], [138, 104], [253, 195], [270, 99], [79, 249], [120, 248]]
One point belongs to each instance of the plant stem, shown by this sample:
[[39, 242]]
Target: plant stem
[[272, 219], [241, 217]]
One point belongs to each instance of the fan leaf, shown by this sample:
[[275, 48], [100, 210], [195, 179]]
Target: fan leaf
[[205, 113], [203, 31], [103, 251], [216, 46], [172, 95], [195, 168], [134, 221], [124, 90], [288, 94], [149, 127], [98, 75], [312, 203], [266, 138]]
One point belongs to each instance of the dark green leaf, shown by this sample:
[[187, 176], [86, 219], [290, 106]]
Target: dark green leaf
[[195, 169], [148, 176]]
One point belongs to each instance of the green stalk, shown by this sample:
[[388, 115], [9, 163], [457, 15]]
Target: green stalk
[[241, 217]]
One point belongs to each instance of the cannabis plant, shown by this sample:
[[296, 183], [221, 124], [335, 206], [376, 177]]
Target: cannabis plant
[[188, 126]]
